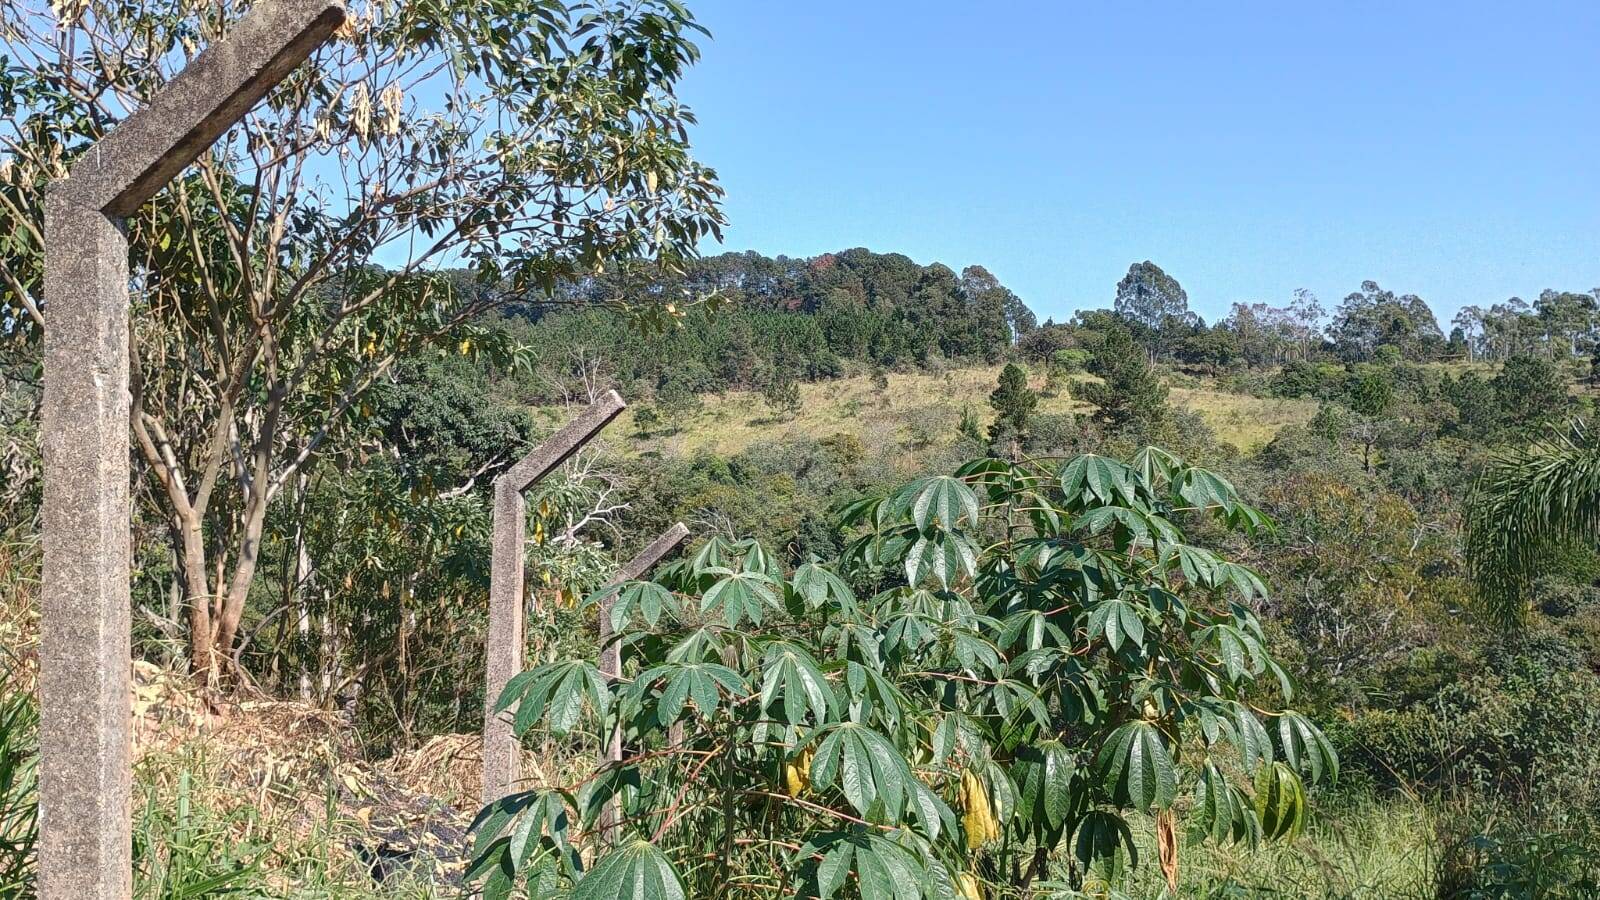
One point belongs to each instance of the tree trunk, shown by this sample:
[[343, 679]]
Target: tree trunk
[[303, 576], [202, 660]]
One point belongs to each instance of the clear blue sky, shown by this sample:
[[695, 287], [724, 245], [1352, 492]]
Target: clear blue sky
[[1450, 150]]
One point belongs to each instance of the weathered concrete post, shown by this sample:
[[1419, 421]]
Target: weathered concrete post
[[611, 650], [504, 643], [84, 687]]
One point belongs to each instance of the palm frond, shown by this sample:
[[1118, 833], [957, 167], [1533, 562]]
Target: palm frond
[[1525, 503]]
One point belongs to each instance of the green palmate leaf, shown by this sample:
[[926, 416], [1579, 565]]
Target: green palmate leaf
[[1250, 520], [703, 644], [929, 810], [1203, 489], [1042, 513], [907, 632], [871, 773], [1105, 845], [1280, 802], [1250, 736], [1030, 630], [1199, 566], [1091, 478], [615, 782], [641, 599], [1242, 579], [1034, 666], [522, 837], [1129, 525], [739, 596], [1306, 748], [860, 512], [1135, 768], [1156, 466], [754, 558], [958, 731], [1117, 620], [1221, 811], [856, 641], [872, 696], [940, 556], [634, 871], [974, 652], [1240, 653], [556, 694], [721, 556], [717, 553], [1000, 481], [1163, 603], [1048, 795], [1020, 703], [793, 688], [883, 869], [819, 587], [699, 682], [941, 502]]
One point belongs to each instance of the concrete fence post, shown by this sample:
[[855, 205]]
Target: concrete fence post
[[502, 767], [85, 703]]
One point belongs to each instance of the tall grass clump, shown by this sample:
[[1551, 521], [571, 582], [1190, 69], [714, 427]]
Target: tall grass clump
[[19, 798]]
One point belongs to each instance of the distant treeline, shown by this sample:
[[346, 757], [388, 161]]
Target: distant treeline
[[1371, 324], [747, 321], [775, 319]]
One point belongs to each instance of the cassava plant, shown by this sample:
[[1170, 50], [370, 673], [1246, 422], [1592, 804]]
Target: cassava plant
[[1007, 667]]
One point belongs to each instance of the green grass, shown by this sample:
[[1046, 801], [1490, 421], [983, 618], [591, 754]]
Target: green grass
[[1360, 849]]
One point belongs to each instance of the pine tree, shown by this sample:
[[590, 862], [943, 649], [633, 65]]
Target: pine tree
[[1014, 402], [782, 393], [968, 426], [1130, 397]]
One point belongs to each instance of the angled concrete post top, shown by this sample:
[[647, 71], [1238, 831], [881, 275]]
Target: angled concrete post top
[[647, 558], [559, 447], [146, 150], [635, 569], [504, 642], [85, 779]]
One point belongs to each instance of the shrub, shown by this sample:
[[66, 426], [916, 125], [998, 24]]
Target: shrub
[[1054, 434], [1524, 726], [1490, 850]]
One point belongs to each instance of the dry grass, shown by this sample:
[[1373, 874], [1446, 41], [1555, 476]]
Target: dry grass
[[289, 776], [892, 416], [1241, 420], [19, 612]]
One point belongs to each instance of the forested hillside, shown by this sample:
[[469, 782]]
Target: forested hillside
[[744, 321]]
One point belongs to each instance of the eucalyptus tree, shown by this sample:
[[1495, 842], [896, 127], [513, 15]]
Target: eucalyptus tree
[[287, 269], [1156, 305], [1373, 316], [1569, 320], [1270, 335], [1005, 668]]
